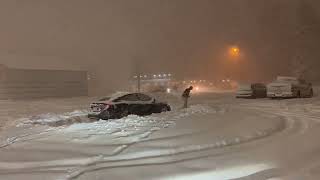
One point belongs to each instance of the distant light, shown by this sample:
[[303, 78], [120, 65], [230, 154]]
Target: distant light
[[169, 74], [164, 75], [197, 88], [141, 76], [168, 90], [234, 51], [145, 76], [135, 76], [223, 80], [154, 76], [228, 80], [159, 75]]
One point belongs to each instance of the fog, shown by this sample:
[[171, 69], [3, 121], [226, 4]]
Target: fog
[[189, 38]]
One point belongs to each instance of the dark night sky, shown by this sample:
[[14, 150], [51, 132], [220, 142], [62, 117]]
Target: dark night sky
[[185, 37]]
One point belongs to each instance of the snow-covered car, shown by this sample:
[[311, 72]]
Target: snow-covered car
[[255, 90], [289, 87], [122, 104]]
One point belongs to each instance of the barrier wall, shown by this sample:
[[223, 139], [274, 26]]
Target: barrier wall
[[24, 84]]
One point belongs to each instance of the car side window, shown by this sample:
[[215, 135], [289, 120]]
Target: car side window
[[143, 97], [301, 81], [260, 86], [256, 86], [129, 97]]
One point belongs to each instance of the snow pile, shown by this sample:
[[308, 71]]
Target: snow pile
[[128, 128], [54, 119]]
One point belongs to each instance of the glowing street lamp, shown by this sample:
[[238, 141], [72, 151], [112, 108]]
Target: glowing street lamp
[[234, 51]]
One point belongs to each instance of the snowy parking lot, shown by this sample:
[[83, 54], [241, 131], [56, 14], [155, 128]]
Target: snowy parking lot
[[217, 137]]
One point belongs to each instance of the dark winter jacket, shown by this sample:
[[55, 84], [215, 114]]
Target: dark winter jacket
[[186, 92]]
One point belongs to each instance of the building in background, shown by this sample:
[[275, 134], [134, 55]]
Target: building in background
[[161, 82], [37, 83]]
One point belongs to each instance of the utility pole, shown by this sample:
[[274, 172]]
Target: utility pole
[[139, 82], [138, 73]]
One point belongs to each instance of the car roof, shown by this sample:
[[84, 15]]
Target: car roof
[[120, 94], [287, 78]]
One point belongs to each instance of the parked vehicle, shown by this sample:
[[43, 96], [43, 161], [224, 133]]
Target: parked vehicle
[[255, 90], [123, 104], [289, 87]]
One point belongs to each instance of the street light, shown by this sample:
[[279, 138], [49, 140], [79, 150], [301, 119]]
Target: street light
[[234, 51]]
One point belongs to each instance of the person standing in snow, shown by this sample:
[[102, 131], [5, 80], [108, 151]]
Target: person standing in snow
[[186, 96]]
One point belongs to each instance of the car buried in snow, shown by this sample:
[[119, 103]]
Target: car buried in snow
[[255, 90], [121, 105], [289, 87]]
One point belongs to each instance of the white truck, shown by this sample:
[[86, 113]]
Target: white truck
[[289, 87]]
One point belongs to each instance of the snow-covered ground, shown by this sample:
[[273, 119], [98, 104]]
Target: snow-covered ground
[[218, 137]]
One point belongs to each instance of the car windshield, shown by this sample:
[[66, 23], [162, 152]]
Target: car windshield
[[245, 87]]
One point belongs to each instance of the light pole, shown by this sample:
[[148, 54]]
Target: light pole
[[137, 71], [233, 56], [139, 82]]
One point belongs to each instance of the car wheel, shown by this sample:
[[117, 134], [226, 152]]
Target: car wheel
[[168, 108], [311, 93], [298, 94], [105, 115], [124, 112], [164, 109], [254, 95]]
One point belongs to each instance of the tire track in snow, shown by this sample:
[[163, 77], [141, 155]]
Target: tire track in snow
[[79, 166], [180, 151], [160, 122], [295, 117]]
